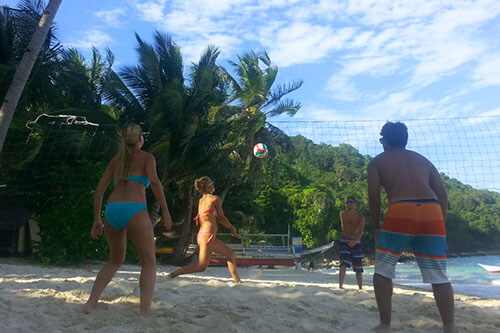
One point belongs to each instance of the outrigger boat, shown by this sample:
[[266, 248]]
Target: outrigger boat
[[259, 253], [491, 269], [267, 254]]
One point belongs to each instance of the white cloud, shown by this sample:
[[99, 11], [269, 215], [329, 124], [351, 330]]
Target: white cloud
[[405, 105], [192, 49], [112, 17], [91, 38], [417, 42], [425, 40], [372, 65], [301, 42], [190, 25], [487, 72], [485, 117], [341, 88], [151, 11], [320, 113], [209, 8]]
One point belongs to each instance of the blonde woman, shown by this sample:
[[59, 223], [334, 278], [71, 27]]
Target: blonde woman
[[132, 171], [209, 212]]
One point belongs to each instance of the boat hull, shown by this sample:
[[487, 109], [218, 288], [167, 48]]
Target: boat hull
[[491, 269], [255, 261]]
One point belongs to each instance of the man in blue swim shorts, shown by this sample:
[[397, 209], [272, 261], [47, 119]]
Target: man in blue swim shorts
[[353, 224]]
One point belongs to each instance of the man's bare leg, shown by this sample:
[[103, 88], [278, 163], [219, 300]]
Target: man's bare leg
[[443, 294], [342, 276], [383, 295], [359, 278]]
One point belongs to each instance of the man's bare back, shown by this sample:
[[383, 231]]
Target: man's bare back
[[405, 175]]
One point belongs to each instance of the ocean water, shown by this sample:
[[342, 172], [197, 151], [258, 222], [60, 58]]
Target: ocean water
[[467, 277]]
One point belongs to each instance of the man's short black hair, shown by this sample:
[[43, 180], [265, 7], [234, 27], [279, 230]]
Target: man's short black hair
[[351, 198], [395, 134]]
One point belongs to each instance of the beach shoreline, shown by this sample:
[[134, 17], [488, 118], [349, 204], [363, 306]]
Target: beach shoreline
[[47, 299]]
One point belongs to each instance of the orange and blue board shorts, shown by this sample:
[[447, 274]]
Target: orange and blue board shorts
[[420, 225]]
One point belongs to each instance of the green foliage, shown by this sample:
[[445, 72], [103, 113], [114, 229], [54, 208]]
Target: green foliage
[[65, 220], [304, 184], [473, 222]]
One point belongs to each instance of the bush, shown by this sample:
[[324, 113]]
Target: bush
[[65, 218]]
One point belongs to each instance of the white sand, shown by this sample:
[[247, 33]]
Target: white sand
[[46, 299]]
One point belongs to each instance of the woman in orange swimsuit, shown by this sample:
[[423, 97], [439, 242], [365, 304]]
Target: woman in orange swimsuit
[[210, 211]]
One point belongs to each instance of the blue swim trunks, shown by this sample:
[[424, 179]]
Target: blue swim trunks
[[351, 256]]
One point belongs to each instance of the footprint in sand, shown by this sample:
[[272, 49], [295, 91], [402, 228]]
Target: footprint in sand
[[236, 318]]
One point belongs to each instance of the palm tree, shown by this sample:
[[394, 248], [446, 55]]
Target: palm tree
[[253, 87], [56, 133], [175, 111], [254, 97], [24, 68]]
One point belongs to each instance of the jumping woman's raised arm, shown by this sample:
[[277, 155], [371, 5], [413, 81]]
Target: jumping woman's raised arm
[[157, 188], [106, 179]]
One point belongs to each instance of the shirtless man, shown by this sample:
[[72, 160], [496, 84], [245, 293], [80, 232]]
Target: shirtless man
[[416, 214], [353, 224]]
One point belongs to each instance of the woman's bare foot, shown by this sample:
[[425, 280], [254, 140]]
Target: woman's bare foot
[[382, 329], [238, 282], [90, 307], [148, 314]]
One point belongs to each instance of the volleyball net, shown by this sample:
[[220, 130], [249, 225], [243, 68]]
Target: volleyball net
[[467, 149]]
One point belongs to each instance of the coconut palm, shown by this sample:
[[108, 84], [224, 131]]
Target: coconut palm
[[174, 110], [25, 66], [253, 89], [64, 131], [254, 97]]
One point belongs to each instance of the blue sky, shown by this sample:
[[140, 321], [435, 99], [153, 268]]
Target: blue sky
[[359, 59]]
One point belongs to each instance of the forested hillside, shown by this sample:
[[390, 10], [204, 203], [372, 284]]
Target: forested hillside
[[305, 184]]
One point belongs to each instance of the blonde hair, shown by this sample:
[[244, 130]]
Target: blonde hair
[[203, 184], [131, 134]]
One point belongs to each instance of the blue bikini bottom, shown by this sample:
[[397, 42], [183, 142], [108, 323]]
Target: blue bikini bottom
[[118, 214]]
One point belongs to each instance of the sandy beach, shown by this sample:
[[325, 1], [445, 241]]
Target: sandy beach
[[49, 299]]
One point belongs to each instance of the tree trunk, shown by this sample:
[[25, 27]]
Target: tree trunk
[[187, 221], [154, 212], [24, 68], [226, 189]]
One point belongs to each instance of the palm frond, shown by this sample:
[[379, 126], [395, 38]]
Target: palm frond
[[287, 106], [264, 57], [206, 74], [116, 92], [235, 86], [270, 77], [281, 90], [148, 64], [169, 57]]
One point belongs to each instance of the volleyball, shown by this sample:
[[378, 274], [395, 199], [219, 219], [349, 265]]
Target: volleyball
[[260, 150]]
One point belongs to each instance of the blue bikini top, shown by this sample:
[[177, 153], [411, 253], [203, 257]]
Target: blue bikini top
[[144, 180]]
